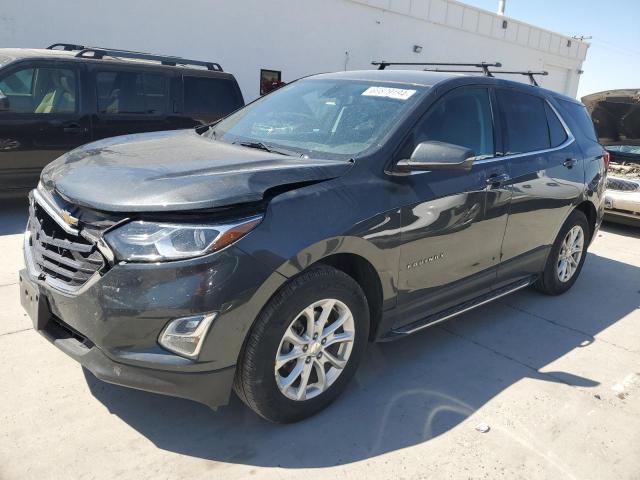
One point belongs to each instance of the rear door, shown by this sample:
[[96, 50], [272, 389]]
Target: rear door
[[44, 118], [452, 232], [131, 100], [547, 177]]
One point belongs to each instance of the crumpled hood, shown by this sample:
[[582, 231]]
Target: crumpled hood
[[176, 170], [616, 115]]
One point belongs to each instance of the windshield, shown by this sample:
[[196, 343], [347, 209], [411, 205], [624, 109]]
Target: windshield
[[321, 118]]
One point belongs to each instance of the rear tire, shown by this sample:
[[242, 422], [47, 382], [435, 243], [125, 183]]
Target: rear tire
[[296, 323], [566, 257]]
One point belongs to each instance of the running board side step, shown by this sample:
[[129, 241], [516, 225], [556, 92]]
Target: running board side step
[[459, 309]]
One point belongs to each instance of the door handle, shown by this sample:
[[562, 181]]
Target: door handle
[[569, 162], [74, 128], [497, 179]]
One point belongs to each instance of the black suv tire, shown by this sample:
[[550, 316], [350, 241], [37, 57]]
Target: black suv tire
[[255, 381], [549, 282]]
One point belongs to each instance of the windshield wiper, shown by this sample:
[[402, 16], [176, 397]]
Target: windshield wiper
[[269, 148]]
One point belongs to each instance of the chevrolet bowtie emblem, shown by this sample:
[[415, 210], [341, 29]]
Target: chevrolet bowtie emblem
[[69, 219]]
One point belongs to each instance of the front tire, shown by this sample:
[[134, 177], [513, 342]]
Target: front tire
[[304, 347], [567, 256]]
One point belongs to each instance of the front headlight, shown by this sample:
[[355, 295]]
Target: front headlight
[[142, 241]]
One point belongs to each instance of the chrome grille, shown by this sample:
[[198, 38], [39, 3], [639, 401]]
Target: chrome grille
[[59, 255]]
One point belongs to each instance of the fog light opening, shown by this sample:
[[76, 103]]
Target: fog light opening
[[184, 336]]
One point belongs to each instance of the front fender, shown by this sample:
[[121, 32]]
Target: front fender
[[384, 263]]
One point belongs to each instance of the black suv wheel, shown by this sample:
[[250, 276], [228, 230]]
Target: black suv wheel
[[566, 257], [304, 347]]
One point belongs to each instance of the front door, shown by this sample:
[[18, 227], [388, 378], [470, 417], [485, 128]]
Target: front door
[[452, 232], [40, 120]]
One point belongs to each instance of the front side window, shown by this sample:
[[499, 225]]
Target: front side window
[[462, 117], [525, 121], [40, 90], [322, 118], [210, 96], [131, 93]]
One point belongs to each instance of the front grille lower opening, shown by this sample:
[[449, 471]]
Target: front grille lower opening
[[60, 330]]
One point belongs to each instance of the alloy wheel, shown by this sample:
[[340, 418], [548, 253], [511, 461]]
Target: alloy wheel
[[315, 349], [570, 253]]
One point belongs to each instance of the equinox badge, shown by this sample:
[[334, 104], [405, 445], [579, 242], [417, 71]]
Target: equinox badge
[[424, 261]]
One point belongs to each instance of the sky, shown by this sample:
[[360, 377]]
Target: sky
[[613, 59]]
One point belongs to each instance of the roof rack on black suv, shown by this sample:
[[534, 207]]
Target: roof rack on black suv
[[483, 66], [55, 99], [101, 52]]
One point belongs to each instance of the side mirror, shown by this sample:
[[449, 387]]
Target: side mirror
[[4, 102], [434, 155]]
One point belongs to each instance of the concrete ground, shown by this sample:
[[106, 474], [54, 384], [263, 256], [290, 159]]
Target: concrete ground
[[557, 380]]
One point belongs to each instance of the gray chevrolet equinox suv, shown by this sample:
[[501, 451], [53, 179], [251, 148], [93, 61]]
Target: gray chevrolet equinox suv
[[262, 253]]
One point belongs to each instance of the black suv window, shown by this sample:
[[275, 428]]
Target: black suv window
[[130, 92], [210, 95], [557, 133], [40, 90], [525, 120], [580, 116], [462, 117]]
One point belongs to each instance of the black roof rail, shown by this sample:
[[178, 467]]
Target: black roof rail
[[69, 47], [484, 66], [528, 73], [99, 52]]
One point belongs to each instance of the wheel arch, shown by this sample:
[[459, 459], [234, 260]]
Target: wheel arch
[[588, 208], [365, 275]]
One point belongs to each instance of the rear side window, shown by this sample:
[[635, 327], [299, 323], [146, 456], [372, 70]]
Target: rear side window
[[525, 120], [557, 133], [131, 93], [210, 95], [580, 116]]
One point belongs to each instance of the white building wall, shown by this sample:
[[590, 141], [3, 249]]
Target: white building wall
[[297, 37]]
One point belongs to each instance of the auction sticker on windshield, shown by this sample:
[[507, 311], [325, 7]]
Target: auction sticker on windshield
[[388, 92]]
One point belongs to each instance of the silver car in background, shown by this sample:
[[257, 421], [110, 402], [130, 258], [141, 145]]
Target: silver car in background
[[616, 115]]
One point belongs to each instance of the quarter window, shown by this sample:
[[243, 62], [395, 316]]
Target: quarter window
[[557, 133], [579, 114], [40, 90], [462, 117], [131, 93], [525, 120], [210, 96]]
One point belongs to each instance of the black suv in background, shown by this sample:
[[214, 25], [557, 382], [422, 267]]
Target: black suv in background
[[265, 251], [56, 99]]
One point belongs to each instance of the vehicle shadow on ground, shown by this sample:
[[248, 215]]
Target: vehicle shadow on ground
[[406, 392], [621, 229], [15, 212]]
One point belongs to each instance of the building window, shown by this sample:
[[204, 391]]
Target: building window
[[270, 80]]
